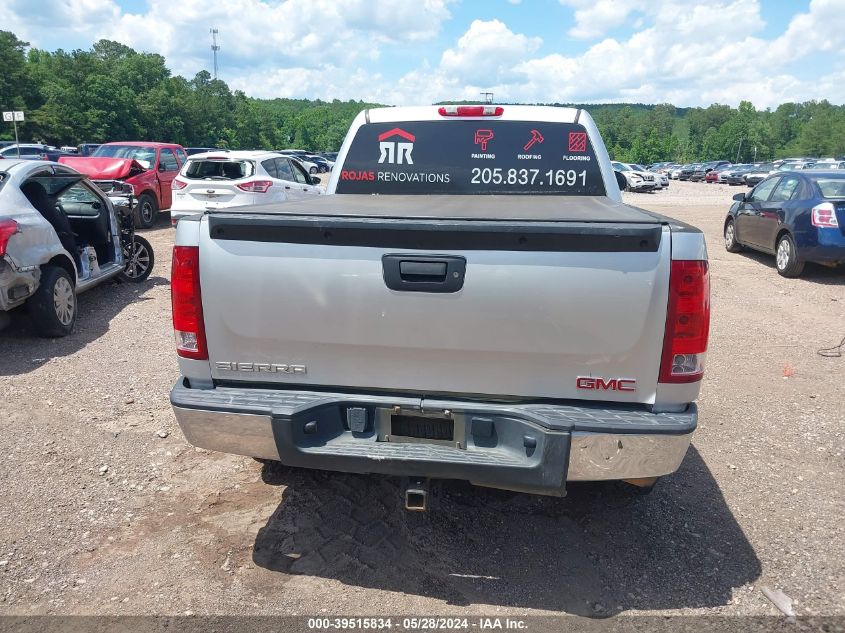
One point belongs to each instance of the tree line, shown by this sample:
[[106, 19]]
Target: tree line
[[112, 92]]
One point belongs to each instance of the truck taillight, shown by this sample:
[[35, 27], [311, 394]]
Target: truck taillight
[[824, 215], [687, 322], [256, 186], [177, 184], [476, 110], [7, 229], [188, 324]]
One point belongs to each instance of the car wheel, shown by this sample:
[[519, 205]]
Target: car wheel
[[731, 245], [139, 260], [786, 257], [313, 170], [146, 212], [53, 306]]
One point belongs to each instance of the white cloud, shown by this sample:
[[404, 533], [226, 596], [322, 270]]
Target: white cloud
[[594, 18], [689, 52], [486, 52]]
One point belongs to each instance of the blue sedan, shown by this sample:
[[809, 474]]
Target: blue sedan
[[797, 217]]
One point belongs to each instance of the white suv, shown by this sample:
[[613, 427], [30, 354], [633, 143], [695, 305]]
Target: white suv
[[216, 180]]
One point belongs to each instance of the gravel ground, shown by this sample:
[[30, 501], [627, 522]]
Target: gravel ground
[[107, 510]]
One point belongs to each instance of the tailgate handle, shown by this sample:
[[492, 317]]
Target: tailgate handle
[[418, 271], [424, 273]]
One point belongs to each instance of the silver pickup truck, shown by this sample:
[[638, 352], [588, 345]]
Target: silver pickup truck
[[472, 300]]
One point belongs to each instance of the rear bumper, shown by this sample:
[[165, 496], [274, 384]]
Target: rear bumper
[[643, 186], [525, 447], [824, 245]]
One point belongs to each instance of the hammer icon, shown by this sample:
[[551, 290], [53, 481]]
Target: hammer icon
[[536, 137]]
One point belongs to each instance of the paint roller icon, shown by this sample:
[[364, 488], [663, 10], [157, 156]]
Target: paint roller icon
[[482, 137]]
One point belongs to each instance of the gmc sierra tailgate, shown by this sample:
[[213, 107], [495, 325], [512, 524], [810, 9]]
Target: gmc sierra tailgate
[[471, 295]]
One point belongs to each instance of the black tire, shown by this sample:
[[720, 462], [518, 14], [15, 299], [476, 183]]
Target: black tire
[[53, 306], [146, 213], [786, 257], [139, 262], [313, 170], [731, 245]]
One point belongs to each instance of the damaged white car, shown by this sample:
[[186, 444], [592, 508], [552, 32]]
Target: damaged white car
[[59, 236]]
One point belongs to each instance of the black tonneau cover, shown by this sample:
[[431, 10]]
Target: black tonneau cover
[[528, 208], [446, 223]]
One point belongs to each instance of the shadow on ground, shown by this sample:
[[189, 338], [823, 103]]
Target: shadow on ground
[[23, 351], [597, 552], [813, 273]]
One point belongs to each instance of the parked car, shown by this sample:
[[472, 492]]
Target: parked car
[[148, 167], [660, 180], [636, 180], [55, 154], [302, 156], [86, 149], [675, 173], [27, 151], [758, 173], [830, 164], [323, 165], [700, 173], [688, 170], [720, 174], [712, 176], [234, 179], [796, 216], [736, 175], [384, 328], [795, 165], [59, 236]]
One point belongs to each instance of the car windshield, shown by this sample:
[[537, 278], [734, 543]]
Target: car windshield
[[765, 167], [831, 187], [219, 169], [145, 156]]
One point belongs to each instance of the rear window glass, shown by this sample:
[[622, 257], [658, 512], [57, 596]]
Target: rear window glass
[[832, 187], [471, 157], [210, 169]]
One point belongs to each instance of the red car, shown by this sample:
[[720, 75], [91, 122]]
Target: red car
[[711, 176], [148, 167]]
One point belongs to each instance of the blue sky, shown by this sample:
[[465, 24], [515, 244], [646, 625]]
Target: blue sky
[[688, 52]]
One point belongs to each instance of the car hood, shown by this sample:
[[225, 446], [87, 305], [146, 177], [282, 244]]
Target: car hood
[[103, 168]]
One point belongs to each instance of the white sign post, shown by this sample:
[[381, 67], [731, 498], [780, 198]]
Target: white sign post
[[13, 118]]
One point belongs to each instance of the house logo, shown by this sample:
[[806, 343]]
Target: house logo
[[396, 151]]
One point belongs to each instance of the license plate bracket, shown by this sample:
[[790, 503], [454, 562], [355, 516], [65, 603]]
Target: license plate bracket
[[415, 427]]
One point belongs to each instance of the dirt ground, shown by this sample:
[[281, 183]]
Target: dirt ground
[[107, 510]]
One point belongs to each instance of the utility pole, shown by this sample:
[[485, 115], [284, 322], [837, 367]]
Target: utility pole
[[488, 97], [214, 48], [739, 149]]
